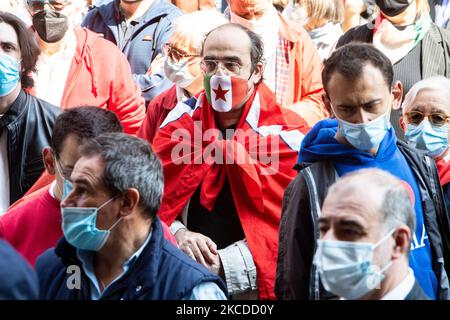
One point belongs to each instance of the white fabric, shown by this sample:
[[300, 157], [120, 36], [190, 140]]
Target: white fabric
[[4, 172], [325, 38], [403, 289], [267, 27], [396, 43], [51, 190], [52, 71]]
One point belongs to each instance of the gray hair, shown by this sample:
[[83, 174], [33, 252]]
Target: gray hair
[[129, 163], [396, 206], [194, 26], [437, 83]]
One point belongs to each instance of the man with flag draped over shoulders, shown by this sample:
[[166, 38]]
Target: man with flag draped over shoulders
[[228, 154]]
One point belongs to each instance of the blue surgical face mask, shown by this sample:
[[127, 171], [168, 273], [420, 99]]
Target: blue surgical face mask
[[427, 137], [365, 136], [79, 226], [9, 74]]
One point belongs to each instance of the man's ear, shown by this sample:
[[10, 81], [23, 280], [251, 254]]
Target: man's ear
[[129, 201], [49, 160], [402, 237], [397, 91], [258, 73]]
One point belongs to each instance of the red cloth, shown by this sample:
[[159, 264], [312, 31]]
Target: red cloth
[[100, 75], [257, 196], [34, 225], [157, 111], [443, 166]]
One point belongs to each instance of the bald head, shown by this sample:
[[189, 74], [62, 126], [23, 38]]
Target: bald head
[[367, 203]]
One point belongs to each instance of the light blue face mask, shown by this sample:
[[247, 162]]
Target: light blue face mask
[[9, 74], [365, 136], [80, 229], [427, 137]]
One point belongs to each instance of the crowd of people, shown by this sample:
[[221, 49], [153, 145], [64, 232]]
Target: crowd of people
[[214, 150]]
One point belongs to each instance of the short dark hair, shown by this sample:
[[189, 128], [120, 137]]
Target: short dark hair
[[29, 48], [257, 46], [129, 163], [84, 123], [349, 61]]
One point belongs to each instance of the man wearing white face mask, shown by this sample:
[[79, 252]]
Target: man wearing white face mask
[[364, 241], [292, 64], [358, 79], [182, 66]]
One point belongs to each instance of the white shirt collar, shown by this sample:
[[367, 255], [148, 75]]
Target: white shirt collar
[[403, 289]]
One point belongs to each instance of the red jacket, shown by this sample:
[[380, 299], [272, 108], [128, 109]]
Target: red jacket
[[34, 225], [157, 111], [100, 75]]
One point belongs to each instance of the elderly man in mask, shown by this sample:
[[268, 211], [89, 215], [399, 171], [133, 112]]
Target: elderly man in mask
[[181, 66], [292, 64], [426, 113], [78, 67], [374, 230]]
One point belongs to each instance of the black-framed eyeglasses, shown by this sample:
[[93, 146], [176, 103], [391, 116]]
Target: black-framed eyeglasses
[[436, 118], [176, 55], [210, 66], [39, 5]]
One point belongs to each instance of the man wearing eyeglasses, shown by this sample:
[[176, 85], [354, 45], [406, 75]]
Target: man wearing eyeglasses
[[181, 66], [223, 191], [425, 120], [291, 62], [139, 28]]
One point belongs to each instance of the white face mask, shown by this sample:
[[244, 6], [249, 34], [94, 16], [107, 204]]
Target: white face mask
[[346, 267], [178, 73]]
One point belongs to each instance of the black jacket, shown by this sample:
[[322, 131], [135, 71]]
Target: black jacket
[[296, 277], [29, 122]]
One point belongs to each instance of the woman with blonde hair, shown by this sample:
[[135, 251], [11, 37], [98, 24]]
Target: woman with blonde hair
[[321, 18], [405, 33]]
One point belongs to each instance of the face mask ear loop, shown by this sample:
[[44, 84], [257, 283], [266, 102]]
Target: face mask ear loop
[[384, 238], [98, 209]]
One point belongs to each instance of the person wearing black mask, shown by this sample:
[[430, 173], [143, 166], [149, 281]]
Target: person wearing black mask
[[78, 67], [417, 47]]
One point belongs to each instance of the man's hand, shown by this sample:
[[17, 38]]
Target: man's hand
[[199, 247]]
